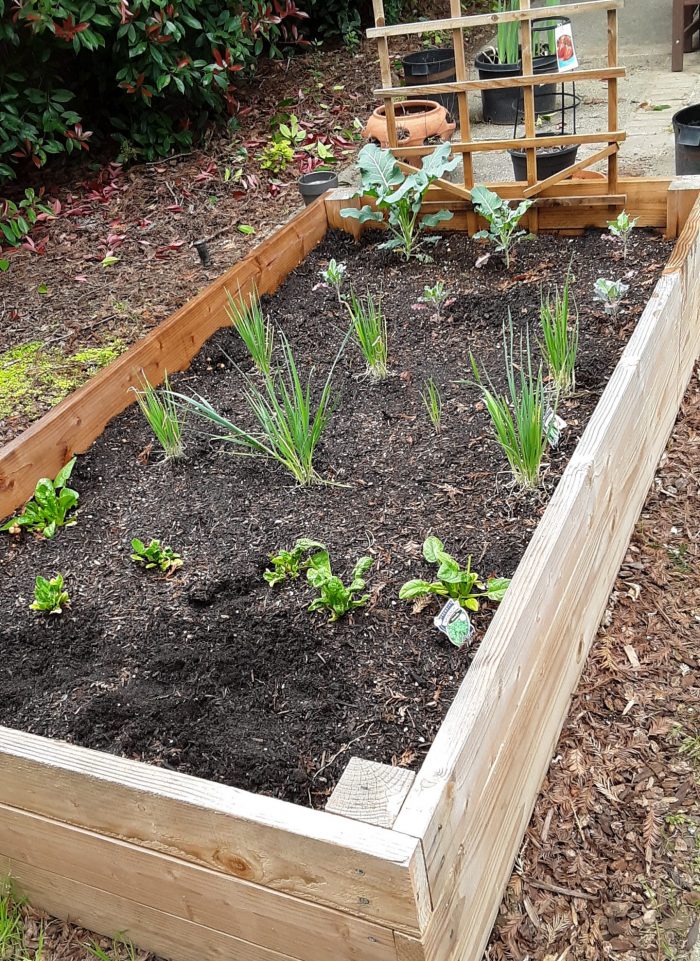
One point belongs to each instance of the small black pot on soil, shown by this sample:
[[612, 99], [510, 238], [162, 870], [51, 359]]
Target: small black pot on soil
[[500, 106], [316, 183], [549, 160]]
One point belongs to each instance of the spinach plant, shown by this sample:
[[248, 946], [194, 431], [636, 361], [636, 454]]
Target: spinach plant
[[155, 556], [462, 584], [611, 293], [334, 596], [292, 562], [400, 197], [502, 219], [49, 595], [622, 228], [49, 508]]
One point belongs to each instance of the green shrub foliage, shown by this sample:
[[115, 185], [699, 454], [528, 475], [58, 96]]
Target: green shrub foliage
[[150, 71]]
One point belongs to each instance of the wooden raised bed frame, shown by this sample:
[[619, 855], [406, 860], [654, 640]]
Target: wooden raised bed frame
[[197, 871]]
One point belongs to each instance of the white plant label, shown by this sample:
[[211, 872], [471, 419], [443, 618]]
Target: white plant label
[[453, 621], [552, 427], [566, 52]]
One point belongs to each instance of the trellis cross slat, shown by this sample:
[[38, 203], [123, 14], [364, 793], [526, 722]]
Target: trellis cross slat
[[527, 82]]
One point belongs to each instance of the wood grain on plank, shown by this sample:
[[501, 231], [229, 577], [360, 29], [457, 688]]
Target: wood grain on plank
[[226, 904], [72, 426], [460, 86], [330, 860], [370, 792], [567, 172]]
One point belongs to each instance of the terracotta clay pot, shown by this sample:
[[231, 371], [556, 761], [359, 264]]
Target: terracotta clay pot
[[417, 123]]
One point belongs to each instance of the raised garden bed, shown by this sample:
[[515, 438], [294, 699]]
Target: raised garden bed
[[191, 868]]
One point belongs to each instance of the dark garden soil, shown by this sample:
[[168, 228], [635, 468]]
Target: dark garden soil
[[213, 673]]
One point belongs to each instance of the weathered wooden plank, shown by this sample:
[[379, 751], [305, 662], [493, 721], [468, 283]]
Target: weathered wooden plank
[[163, 934], [370, 792], [681, 197], [330, 860], [459, 86], [228, 905], [409, 949], [490, 19], [567, 172], [472, 798], [76, 422], [519, 143]]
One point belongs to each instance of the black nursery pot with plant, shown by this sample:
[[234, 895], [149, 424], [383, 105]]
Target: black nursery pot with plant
[[549, 160], [500, 106]]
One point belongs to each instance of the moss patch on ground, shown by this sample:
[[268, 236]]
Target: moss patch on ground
[[34, 377]]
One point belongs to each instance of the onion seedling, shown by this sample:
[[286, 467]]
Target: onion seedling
[[255, 330], [432, 401], [560, 337], [160, 410], [370, 330]]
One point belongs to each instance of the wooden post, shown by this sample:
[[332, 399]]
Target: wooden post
[[462, 96], [525, 31], [612, 97], [385, 70]]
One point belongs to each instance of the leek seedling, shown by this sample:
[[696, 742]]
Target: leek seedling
[[559, 343], [432, 401], [161, 412], [256, 332], [518, 415], [369, 328], [289, 424]]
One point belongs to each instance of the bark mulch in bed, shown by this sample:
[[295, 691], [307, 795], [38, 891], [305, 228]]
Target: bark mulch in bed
[[610, 866], [213, 673]]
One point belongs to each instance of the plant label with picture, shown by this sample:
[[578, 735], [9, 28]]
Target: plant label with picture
[[453, 621], [553, 425], [566, 52]]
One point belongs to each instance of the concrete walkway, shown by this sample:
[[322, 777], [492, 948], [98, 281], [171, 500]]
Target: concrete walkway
[[645, 50]]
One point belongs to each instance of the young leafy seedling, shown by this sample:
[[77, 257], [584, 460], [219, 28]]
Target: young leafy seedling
[[161, 412], [622, 228], [334, 275], [502, 219], [400, 197], [49, 595], [334, 596], [518, 415], [611, 293], [436, 296], [461, 584], [432, 401], [155, 556], [48, 509], [369, 327], [255, 330], [291, 563], [560, 334]]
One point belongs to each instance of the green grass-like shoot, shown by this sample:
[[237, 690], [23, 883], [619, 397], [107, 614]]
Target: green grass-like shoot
[[560, 336], [162, 415], [432, 401], [370, 330], [255, 330]]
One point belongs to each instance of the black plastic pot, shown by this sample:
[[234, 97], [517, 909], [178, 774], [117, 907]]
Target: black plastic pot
[[686, 130], [500, 106], [548, 163], [436, 65], [316, 183]]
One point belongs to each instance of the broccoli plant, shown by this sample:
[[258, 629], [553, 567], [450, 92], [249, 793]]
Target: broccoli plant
[[155, 556], [622, 228], [292, 562], [48, 509], [611, 293], [49, 595], [334, 596], [461, 584], [502, 219], [400, 197], [334, 275]]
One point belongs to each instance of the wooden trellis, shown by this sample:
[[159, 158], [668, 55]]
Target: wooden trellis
[[455, 24]]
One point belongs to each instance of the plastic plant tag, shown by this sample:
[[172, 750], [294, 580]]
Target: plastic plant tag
[[453, 621], [566, 52], [552, 427]]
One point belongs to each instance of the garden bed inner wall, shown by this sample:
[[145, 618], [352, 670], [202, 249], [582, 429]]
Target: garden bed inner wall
[[196, 870]]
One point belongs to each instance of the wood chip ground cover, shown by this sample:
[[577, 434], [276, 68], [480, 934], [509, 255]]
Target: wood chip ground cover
[[210, 671]]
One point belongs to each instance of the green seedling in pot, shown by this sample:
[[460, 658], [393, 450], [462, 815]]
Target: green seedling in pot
[[334, 596], [461, 584], [399, 197], [289, 564], [503, 220], [49, 508], [49, 595], [155, 556]]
